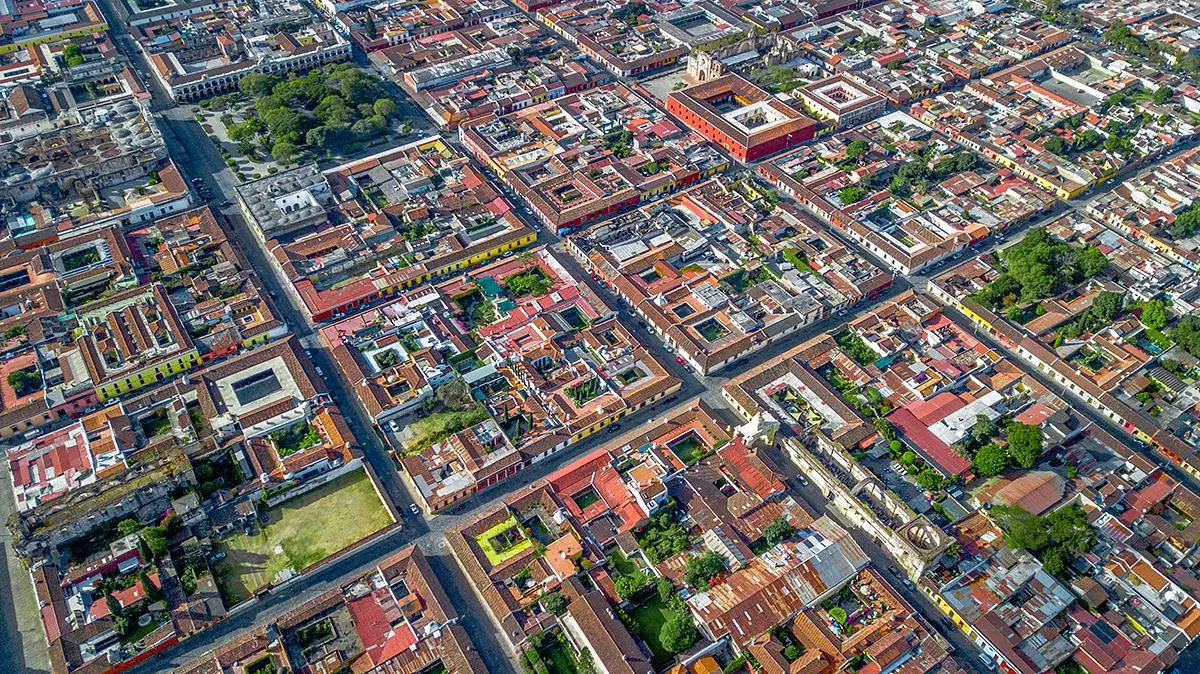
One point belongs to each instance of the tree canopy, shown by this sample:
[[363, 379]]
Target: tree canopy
[[1024, 443], [1038, 267], [701, 569], [1055, 538]]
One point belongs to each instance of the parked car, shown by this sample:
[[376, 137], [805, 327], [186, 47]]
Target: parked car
[[412, 507], [218, 556]]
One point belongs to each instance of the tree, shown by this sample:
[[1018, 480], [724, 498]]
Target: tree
[[129, 526], [990, 460], [908, 458], [456, 395], [630, 584], [678, 632], [983, 430], [386, 108], [1162, 94], [701, 569], [25, 381], [586, 663], [777, 531], [257, 85], [839, 616], [283, 122], [1091, 261], [333, 110], [554, 603], [851, 194], [1026, 531], [283, 151], [1024, 443], [666, 590], [155, 540], [929, 480], [856, 149], [1186, 223], [369, 26], [1154, 314], [1186, 334], [72, 55], [1055, 144]]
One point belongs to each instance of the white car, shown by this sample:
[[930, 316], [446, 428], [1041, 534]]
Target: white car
[[412, 507]]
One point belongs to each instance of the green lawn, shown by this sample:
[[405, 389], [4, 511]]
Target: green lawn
[[427, 431], [503, 541], [689, 449], [558, 658], [301, 532], [622, 564], [648, 621]]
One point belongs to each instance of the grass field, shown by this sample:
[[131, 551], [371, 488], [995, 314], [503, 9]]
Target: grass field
[[649, 619], [301, 532]]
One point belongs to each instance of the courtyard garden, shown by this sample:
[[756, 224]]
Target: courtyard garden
[[299, 533], [503, 541]]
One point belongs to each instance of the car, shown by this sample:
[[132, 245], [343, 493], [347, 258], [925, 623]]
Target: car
[[394, 426], [908, 584], [802, 480], [264, 517], [613, 429], [412, 508], [218, 556], [680, 360], [249, 531], [894, 571]]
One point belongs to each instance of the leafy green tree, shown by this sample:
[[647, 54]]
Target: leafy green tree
[[1055, 144], [701, 569], [1162, 94], [983, 430], [1091, 261], [586, 663], [369, 26], [386, 108], [839, 616], [1025, 443], [678, 632], [257, 85], [629, 584], [1186, 223], [929, 480], [1026, 531], [1154, 314], [284, 121], [1186, 334], [851, 194], [155, 540], [666, 590], [856, 149], [284, 150], [990, 460], [72, 55], [554, 603], [129, 526], [777, 531]]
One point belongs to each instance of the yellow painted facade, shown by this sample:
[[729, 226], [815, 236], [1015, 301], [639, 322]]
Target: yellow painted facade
[[149, 375], [53, 37]]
